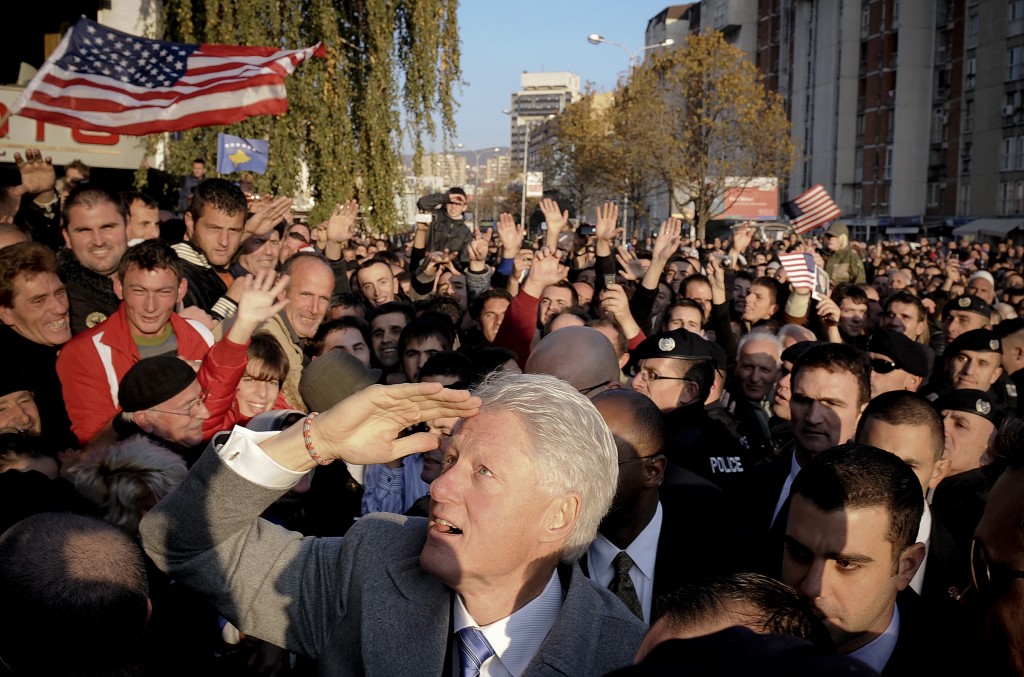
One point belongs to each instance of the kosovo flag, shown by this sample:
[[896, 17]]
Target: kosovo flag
[[235, 154]]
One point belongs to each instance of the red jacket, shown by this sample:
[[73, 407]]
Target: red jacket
[[520, 324], [92, 364]]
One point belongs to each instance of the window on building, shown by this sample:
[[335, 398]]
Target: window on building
[[1007, 155], [966, 158], [964, 202], [934, 193], [973, 24], [860, 129], [886, 162], [1015, 63], [865, 19], [858, 198], [1016, 24], [969, 115], [970, 71], [1018, 160], [858, 164]]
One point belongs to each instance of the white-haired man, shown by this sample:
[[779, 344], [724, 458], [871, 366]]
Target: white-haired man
[[525, 484]]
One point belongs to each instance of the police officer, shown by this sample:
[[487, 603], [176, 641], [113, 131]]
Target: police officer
[[676, 370]]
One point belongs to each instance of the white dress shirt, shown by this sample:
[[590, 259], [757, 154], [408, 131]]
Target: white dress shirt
[[516, 638], [643, 551], [877, 652], [924, 535], [794, 469], [241, 453]]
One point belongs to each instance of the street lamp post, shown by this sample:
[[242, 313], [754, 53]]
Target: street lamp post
[[596, 39], [476, 176]]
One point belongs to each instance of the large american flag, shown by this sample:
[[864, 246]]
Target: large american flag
[[810, 210], [103, 80], [801, 270]]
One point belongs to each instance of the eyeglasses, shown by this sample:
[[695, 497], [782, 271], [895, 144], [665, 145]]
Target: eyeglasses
[[587, 391], [651, 376], [638, 458], [191, 410], [882, 366], [990, 579]]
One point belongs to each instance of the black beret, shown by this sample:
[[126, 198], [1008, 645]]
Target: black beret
[[793, 353], [971, 304], [153, 381], [981, 340], [980, 402], [678, 343], [909, 355], [1008, 327]]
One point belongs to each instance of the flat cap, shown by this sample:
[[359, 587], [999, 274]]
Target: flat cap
[[909, 355], [332, 377], [971, 304], [678, 343], [981, 340], [980, 402], [153, 381]]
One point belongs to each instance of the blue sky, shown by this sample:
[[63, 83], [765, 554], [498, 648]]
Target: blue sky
[[502, 39]]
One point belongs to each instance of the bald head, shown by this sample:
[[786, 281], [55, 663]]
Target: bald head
[[580, 355]]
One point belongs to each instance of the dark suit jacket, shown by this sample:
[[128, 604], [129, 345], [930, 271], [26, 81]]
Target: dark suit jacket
[[361, 605], [698, 538], [933, 640], [754, 502]]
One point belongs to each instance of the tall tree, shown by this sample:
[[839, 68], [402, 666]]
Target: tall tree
[[710, 123], [578, 161], [386, 60]]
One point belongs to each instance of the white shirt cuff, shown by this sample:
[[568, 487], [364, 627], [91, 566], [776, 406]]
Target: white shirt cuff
[[243, 455]]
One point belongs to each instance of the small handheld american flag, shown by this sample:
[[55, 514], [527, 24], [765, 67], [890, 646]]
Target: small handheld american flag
[[810, 210]]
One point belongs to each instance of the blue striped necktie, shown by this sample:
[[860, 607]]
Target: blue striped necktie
[[473, 651]]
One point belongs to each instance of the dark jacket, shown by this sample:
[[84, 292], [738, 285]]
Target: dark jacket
[[30, 362], [206, 289], [445, 232], [696, 442], [90, 294]]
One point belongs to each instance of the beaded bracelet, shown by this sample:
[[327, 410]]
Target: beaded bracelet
[[307, 437]]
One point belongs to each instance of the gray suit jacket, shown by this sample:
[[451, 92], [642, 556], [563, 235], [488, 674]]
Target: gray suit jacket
[[361, 604]]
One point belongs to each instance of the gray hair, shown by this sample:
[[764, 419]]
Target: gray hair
[[573, 447], [763, 337], [796, 332], [128, 477]]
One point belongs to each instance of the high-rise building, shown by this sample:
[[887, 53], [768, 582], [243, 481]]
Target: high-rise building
[[541, 96], [449, 167], [910, 112]]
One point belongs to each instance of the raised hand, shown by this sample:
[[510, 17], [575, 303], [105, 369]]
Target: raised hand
[[547, 270], [363, 428], [615, 303], [632, 269], [266, 214], [605, 229], [37, 173], [523, 262], [477, 251], [556, 220], [667, 242], [259, 302], [341, 227], [742, 237], [828, 311], [511, 235]]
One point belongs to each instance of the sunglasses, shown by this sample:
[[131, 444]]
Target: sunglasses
[[881, 366], [991, 580]]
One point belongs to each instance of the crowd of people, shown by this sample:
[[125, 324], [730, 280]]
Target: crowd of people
[[578, 455]]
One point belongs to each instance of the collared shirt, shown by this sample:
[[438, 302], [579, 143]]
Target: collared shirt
[[516, 638], [643, 551], [877, 652], [924, 535], [241, 453], [794, 469], [393, 489]]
